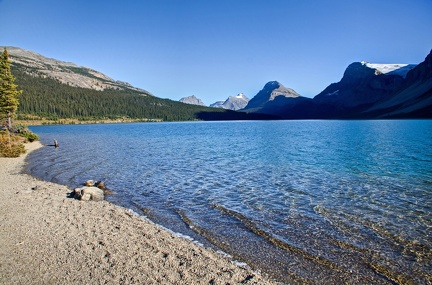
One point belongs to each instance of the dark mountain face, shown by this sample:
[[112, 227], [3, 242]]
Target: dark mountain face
[[360, 85], [366, 91], [412, 100], [421, 72]]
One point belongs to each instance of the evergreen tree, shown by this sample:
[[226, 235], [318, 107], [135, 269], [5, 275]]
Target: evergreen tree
[[8, 90]]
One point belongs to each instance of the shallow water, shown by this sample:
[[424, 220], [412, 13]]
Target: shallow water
[[306, 201]]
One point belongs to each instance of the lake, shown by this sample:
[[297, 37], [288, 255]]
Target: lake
[[319, 202]]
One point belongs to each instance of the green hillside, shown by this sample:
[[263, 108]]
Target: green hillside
[[48, 98]]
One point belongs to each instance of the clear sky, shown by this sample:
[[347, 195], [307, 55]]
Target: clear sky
[[217, 48]]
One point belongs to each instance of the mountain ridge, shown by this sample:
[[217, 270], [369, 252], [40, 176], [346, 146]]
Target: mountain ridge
[[57, 91], [365, 91], [415, 95], [66, 72]]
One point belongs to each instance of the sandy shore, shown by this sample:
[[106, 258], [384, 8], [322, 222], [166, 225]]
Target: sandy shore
[[47, 238]]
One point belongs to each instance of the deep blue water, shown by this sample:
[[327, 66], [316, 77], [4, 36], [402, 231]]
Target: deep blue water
[[306, 201]]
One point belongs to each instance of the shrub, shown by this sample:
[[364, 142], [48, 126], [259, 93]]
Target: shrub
[[24, 132], [30, 136], [11, 145]]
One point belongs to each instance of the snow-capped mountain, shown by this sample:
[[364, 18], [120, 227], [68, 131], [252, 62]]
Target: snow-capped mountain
[[363, 83], [232, 103], [412, 100], [372, 90], [366, 91]]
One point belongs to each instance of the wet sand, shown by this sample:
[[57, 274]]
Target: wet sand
[[48, 238]]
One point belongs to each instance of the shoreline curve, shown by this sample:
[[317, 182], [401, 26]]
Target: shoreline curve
[[48, 238]]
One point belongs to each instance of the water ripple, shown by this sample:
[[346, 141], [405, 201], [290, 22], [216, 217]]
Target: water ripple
[[307, 201]]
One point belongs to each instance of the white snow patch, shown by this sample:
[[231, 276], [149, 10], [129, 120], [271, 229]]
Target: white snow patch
[[395, 68]]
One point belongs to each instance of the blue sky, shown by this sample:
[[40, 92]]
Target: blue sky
[[215, 48]]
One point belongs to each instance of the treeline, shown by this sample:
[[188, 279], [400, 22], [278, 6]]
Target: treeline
[[50, 99]]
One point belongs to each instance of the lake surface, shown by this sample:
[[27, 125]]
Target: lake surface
[[319, 202]]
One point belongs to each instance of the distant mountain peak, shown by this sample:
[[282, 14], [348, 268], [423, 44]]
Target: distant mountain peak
[[272, 84], [234, 103], [281, 90], [192, 100], [270, 92]]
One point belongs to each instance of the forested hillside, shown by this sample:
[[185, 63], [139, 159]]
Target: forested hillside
[[47, 98]]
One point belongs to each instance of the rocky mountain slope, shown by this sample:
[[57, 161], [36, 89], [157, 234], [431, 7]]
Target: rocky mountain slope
[[67, 73], [277, 100], [362, 84], [271, 96], [192, 100], [359, 85], [232, 103], [413, 98]]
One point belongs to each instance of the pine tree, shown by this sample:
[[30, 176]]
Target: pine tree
[[8, 90]]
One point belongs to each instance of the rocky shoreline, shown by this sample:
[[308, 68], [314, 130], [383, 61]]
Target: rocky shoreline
[[49, 238]]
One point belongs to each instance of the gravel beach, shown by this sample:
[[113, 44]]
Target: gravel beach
[[48, 238]]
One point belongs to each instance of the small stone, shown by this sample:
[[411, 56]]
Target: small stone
[[90, 183]]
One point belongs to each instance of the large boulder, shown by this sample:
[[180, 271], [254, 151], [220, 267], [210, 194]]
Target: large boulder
[[89, 193]]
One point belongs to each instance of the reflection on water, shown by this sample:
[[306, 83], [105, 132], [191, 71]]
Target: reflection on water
[[306, 201]]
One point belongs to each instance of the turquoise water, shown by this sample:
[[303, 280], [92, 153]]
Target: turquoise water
[[315, 202]]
